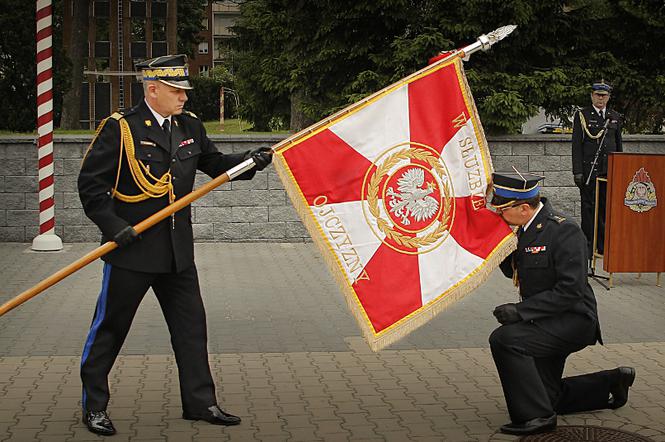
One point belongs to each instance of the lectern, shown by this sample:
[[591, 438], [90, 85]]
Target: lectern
[[635, 216]]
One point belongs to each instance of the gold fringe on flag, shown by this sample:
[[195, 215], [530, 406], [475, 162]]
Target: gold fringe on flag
[[406, 325]]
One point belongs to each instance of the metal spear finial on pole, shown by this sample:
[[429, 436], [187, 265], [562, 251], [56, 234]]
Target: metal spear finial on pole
[[485, 41]]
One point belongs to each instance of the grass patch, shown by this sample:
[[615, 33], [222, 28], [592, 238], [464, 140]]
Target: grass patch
[[232, 126]]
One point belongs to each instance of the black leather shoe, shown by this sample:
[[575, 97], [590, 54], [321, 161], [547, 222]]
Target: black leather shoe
[[214, 415], [98, 422], [619, 390], [533, 426]]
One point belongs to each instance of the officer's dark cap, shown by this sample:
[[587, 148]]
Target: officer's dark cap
[[601, 87], [510, 187], [169, 69]]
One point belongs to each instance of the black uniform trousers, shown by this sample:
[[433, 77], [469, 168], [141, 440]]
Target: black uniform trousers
[[530, 363], [588, 202], [179, 297]]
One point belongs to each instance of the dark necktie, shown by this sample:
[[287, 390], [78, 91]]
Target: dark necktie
[[602, 114], [166, 125]]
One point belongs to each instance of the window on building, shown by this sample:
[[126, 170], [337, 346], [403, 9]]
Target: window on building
[[159, 29], [103, 49], [204, 70], [158, 9], [101, 9], [138, 49], [203, 47], [159, 48], [137, 28], [102, 27], [101, 65], [137, 8]]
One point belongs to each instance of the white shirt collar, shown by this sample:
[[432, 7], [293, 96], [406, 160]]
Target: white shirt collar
[[158, 117], [601, 112], [540, 206]]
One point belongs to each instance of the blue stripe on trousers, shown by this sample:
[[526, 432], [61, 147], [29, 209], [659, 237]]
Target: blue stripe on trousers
[[100, 314]]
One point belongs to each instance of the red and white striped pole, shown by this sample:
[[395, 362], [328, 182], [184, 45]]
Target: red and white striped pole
[[47, 239]]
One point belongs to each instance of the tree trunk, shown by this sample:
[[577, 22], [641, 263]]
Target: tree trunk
[[77, 51], [298, 119]]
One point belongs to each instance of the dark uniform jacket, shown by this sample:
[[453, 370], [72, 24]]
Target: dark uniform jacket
[[551, 268], [584, 147], [168, 246]]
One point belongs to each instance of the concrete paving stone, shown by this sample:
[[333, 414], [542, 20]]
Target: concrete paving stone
[[309, 380], [391, 394], [8, 416], [423, 399], [418, 429], [12, 403], [352, 418], [288, 397], [370, 400], [347, 407], [277, 437], [362, 432], [262, 404], [57, 428], [330, 426], [24, 435], [323, 414], [393, 436], [294, 408], [222, 437], [297, 421], [378, 412], [340, 396], [336, 386], [478, 428], [179, 436], [398, 405], [37, 408], [304, 434], [383, 374], [259, 393], [313, 390], [454, 403], [28, 422]]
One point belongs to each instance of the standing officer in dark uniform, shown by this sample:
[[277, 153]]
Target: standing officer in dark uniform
[[596, 129], [139, 162], [556, 316]]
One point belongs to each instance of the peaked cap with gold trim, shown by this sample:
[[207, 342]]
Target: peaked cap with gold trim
[[169, 69], [601, 87], [511, 187]]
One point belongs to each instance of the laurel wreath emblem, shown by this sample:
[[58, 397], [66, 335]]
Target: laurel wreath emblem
[[373, 199]]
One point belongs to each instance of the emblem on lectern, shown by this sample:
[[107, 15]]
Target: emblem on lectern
[[641, 193]]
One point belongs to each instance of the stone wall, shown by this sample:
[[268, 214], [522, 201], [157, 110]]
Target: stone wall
[[256, 210]]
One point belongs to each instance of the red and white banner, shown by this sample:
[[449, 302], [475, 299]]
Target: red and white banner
[[393, 192]]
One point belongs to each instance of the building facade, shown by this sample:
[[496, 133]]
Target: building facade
[[121, 33], [216, 34]]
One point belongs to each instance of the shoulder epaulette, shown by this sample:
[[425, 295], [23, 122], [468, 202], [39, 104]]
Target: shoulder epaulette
[[117, 116], [558, 218], [191, 114]]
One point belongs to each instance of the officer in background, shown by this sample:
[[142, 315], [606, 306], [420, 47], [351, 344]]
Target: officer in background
[[139, 162], [555, 317], [596, 129]]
